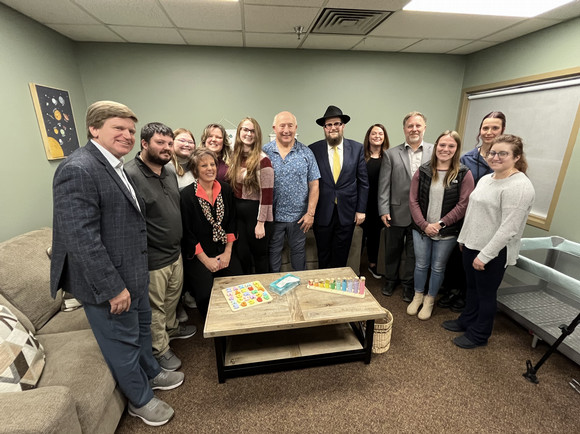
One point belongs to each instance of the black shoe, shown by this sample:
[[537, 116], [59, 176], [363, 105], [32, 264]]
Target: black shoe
[[452, 325], [463, 342], [408, 294], [388, 289], [458, 305], [446, 300], [374, 272]]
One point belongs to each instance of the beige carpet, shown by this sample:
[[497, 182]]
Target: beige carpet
[[424, 383]]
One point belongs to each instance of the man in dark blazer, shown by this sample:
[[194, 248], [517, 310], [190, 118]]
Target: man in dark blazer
[[99, 255], [397, 169], [343, 189]]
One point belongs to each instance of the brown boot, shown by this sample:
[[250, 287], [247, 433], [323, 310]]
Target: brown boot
[[413, 307], [427, 308]]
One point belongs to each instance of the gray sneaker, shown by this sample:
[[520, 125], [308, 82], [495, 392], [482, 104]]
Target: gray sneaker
[[169, 361], [184, 332], [167, 380], [154, 413]]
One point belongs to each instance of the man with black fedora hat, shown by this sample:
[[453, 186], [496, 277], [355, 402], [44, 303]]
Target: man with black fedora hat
[[343, 189]]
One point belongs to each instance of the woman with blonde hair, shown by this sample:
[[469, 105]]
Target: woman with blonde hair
[[252, 179], [494, 222], [215, 138], [438, 199]]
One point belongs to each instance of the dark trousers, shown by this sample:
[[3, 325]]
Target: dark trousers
[[333, 242], [454, 273], [201, 279], [481, 297], [125, 341], [399, 238], [372, 236], [252, 252]]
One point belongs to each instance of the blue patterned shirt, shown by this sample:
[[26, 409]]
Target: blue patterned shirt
[[291, 177]]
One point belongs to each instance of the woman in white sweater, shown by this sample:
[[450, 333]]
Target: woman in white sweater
[[494, 222]]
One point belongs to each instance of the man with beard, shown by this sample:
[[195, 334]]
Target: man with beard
[[343, 189], [397, 170], [158, 189]]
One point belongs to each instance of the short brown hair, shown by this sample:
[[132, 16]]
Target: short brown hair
[[197, 156], [410, 115], [98, 112]]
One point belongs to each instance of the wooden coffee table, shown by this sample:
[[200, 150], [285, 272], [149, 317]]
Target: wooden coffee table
[[302, 328]]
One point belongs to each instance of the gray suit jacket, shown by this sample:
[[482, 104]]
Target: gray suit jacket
[[395, 183], [99, 244]]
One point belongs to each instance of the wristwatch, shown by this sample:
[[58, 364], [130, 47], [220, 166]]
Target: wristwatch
[[441, 224]]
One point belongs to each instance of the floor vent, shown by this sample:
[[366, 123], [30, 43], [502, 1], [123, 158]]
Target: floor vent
[[348, 21]]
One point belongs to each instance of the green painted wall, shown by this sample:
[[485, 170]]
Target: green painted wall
[[30, 53], [552, 49], [194, 86]]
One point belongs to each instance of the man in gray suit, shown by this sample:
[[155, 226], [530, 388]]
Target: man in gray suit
[[99, 255], [397, 170]]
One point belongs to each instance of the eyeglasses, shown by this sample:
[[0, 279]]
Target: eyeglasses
[[248, 131], [189, 142], [501, 154], [328, 126]]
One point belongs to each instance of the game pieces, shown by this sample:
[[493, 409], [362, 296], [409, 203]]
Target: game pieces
[[246, 295], [353, 287]]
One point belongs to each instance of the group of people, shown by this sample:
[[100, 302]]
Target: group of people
[[132, 240]]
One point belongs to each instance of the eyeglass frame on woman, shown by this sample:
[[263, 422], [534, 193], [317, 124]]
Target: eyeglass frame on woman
[[501, 154], [335, 125], [248, 131], [189, 142]]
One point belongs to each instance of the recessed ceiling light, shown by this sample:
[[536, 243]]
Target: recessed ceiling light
[[502, 8]]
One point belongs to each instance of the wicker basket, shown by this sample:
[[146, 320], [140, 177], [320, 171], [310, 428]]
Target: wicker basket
[[382, 334]]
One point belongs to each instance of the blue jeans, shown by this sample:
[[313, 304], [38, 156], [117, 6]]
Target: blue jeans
[[431, 254]]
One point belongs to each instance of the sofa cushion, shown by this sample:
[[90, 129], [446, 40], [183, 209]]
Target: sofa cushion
[[21, 356], [25, 276], [66, 322], [74, 360]]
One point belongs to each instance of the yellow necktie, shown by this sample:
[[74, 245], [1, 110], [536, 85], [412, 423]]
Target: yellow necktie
[[335, 164]]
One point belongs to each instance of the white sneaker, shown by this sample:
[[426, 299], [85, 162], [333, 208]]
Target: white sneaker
[[189, 300]]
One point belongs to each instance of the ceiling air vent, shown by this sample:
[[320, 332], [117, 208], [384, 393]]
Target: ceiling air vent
[[348, 21]]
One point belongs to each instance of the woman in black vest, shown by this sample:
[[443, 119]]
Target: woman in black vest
[[438, 199]]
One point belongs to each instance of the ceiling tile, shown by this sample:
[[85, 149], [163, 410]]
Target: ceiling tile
[[86, 33], [311, 3], [371, 43], [213, 38], [277, 19], [427, 25], [272, 40], [435, 45], [59, 11], [331, 42], [127, 12], [472, 47], [204, 14], [379, 5], [520, 29], [149, 35]]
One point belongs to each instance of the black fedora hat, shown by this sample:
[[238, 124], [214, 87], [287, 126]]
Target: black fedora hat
[[333, 112]]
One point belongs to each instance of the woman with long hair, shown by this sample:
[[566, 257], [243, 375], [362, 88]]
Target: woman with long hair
[[438, 199], [494, 222], [376, 142], [491, 126], [208, 216], [252, 178], [183, 147], [215, 138]]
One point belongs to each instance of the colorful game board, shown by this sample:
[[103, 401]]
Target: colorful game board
[[353, 287], [246, 295]]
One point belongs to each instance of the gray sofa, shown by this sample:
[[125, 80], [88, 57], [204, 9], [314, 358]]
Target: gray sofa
[[76, 391]]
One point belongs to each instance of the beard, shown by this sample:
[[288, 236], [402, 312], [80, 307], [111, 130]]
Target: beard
[[334, 141], [161, 159]]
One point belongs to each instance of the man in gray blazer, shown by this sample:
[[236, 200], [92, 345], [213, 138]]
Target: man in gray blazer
[[397, 170], [99, 255]]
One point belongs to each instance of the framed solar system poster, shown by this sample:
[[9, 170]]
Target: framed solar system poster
[[55, 119]]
